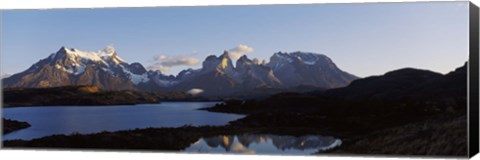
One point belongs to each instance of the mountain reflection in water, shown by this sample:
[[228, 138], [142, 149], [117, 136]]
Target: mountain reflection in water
[[264, 144]]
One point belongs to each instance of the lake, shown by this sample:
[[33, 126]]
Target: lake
[[264, 144], [47, 120]]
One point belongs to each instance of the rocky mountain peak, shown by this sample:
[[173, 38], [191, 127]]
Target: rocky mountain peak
[[256, 61], [225, 61], [107, 55], [224, 55], [221, 64], [244, 62], [63, 48], [218, 75], [305, 68], [61, 53], [209, 63], [137, 68], [244, 58], [280, 57]]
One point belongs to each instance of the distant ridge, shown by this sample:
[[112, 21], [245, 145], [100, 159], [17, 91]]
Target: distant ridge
[[218, 77]]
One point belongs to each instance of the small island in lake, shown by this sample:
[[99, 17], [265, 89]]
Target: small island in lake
[[13, 125]]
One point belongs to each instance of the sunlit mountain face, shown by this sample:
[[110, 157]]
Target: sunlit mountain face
[[218, 77]]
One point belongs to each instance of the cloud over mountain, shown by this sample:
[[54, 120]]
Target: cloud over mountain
[[160, 68], [239, 51], [163, 63]]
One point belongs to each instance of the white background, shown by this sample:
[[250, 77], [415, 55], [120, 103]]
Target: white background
[[87, 155]]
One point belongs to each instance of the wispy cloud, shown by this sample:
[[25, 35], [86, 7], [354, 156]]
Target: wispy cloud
[[160, 68], [179, 61], [195, 52], [239, 51], [163, 63], [159, 58]]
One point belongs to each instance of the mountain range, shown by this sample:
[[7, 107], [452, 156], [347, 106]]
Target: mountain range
[[217, 77]]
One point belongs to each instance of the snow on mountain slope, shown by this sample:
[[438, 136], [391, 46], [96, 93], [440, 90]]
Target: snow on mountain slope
[[75, 67], [305, 68], [5, 75], [108, 61], [217, 77]]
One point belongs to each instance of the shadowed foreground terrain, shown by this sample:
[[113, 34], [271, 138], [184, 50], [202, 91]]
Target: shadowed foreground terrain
[[164, 139], [424, 138], [84, 95], [404, 112], [440, 137], [407, 112]]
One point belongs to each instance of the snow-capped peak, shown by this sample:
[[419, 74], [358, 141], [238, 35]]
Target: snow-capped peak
[[74, 61], [109, 50], [110, 54], [307, 58], [82, 55], [282, 57], [106, 55]]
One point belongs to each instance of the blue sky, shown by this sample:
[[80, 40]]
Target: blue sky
[[363, 39]]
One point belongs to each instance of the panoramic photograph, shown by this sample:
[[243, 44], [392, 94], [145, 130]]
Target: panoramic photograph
[[307, 79]]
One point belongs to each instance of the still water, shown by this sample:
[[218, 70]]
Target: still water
[[81, 119], [264, 144]]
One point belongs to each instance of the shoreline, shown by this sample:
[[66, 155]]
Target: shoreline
[[89, 96], [178, 138], [158, 139], [107, 105], [355, 135]]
